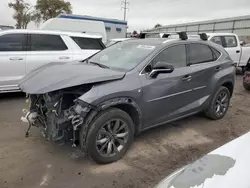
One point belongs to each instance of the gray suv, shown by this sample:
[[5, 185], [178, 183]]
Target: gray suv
[[101, 103]]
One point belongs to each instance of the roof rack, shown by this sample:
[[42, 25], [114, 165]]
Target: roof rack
[[182, 34], [203, 36]]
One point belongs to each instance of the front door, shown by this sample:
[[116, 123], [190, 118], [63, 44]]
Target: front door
[[232, 46], [165, 95], [12, 60]]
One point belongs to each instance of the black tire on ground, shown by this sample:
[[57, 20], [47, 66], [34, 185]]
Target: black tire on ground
[[246, 85], [211, 111], [97, 125]]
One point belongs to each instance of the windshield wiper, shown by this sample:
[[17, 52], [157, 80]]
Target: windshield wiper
[[99, 64]]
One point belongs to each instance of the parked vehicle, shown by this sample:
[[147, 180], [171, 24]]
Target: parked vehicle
[[24, 50], [226, 166], [129, 87], [230, 41], [76, 25]]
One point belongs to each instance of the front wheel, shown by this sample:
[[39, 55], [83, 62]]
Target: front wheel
[[219, 104], [110, 136]]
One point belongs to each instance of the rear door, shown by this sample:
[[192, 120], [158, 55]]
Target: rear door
[[46, 48], [232, 46], [202, 67], [12, 60]]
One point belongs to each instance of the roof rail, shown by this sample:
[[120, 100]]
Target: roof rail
[[182, 34]]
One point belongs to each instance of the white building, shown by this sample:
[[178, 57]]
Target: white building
[[114, 28], [239, 25]]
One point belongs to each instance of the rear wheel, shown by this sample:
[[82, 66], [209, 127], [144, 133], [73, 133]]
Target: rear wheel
[[110, 136], [219, 105]]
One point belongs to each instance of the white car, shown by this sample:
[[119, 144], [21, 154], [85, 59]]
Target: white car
[[225, 167], [21, 51], [230, 41]]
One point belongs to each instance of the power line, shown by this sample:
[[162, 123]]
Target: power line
[[125, 5]]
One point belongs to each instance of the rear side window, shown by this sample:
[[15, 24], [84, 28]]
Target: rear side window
[[43, 42], [217, 40], [230, 41], [200, 53], [216, 53], [175, 55], [88, 43], [13, 42]]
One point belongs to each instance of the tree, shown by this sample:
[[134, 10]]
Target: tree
[[51, 8], [158, 25], [22, 13]]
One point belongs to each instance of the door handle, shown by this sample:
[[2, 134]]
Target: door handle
[[64, 57], [218, 68], [16, 58], [238, 51], [186, 78]]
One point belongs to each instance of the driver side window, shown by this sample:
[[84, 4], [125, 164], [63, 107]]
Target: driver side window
[[175, 55]]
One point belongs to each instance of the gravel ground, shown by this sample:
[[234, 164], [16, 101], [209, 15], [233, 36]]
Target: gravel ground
[[32, 162]]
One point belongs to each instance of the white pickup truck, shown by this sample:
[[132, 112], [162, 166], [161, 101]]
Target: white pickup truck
[[24, 50], [230, 41]]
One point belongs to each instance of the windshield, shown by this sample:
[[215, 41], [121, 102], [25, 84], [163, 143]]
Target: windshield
[[123, 55]]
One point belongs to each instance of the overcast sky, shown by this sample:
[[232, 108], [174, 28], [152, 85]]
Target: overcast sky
[[144, 14]]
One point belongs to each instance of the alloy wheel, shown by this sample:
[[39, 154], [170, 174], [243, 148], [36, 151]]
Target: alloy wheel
[[112, 137], [221, 103]]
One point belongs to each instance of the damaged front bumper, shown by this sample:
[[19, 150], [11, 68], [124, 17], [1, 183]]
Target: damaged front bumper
[[58, 122]]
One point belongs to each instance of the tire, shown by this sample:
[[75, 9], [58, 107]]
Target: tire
[[211, 111], [246, 84], [99, 128]]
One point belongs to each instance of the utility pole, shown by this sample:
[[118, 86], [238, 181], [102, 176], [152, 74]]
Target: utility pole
[[125, 5]]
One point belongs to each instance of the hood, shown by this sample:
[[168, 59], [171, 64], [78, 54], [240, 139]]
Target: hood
[[55, 76]]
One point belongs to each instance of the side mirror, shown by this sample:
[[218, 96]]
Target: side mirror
[[161, 67]]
